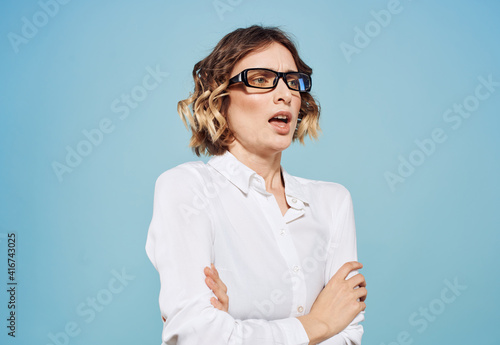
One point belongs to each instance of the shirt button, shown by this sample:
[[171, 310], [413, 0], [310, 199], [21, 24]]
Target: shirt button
[[294, 200], [300, 309], [282, 233], [296, 268]]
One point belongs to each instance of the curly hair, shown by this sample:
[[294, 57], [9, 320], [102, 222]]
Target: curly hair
[[205, 109]]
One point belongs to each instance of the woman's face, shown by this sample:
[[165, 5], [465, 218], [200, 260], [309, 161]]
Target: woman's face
[[251, 111]]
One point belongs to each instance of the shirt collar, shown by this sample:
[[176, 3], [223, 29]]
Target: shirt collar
[[294, 188], [241, 176]]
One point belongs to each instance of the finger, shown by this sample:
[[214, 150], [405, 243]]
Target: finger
[[361, 293], [221, 295], [357, 280], [219, 304], [210, 274], [362, 305], [211, 284], [216, 303], [363, 283], [216, 278], [347, 268], [217, 290], [214, 270]]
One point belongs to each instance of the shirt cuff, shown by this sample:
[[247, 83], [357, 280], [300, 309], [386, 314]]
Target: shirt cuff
[[294, 331]]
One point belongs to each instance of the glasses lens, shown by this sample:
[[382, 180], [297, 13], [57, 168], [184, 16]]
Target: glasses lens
[[298, 81], [261, 78]]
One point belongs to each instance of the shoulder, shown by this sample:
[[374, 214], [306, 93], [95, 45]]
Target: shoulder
[[183, 173], [329, 198], [324, 190], [185, 177]]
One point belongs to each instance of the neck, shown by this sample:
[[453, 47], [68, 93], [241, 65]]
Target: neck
[[267, 166]]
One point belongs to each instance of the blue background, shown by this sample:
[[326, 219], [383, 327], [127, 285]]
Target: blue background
[[437, 224]]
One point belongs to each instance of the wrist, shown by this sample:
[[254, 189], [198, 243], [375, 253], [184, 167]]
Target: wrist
[[316, 330]]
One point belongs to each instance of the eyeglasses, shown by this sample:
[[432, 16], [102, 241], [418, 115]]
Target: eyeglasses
[[263, 78]]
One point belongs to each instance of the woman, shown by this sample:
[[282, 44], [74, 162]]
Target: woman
[[284, 247]]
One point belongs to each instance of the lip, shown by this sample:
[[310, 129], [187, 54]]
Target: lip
[[283, 112], [281, 128]]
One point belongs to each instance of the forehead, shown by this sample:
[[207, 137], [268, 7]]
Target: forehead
[[274, 56]]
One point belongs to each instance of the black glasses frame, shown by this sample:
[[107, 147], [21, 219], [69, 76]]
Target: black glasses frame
[[242, 78]]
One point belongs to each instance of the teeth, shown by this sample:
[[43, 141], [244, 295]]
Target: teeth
[[281, 117]]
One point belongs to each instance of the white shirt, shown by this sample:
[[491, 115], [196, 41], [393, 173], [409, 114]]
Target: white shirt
[[274, 266]]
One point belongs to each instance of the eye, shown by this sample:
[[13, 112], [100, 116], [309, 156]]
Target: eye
[[259, 80], [293, 81]]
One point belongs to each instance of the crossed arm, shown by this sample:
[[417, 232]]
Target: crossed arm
[[333, 318], [335, 307]]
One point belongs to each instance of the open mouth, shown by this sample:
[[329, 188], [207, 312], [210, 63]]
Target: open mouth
[[279, 118]]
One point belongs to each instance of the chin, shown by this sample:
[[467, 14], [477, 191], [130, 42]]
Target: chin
[[281, 145]]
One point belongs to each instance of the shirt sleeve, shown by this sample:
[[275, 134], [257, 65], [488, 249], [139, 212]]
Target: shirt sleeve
[[180, 244], [342, 249]]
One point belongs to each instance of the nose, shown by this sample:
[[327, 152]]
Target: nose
[[282, 93]]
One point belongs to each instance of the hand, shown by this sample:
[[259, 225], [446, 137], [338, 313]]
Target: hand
[[215, 284], [337, 304]]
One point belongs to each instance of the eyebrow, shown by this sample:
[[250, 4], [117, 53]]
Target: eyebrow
[[272, 69]]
